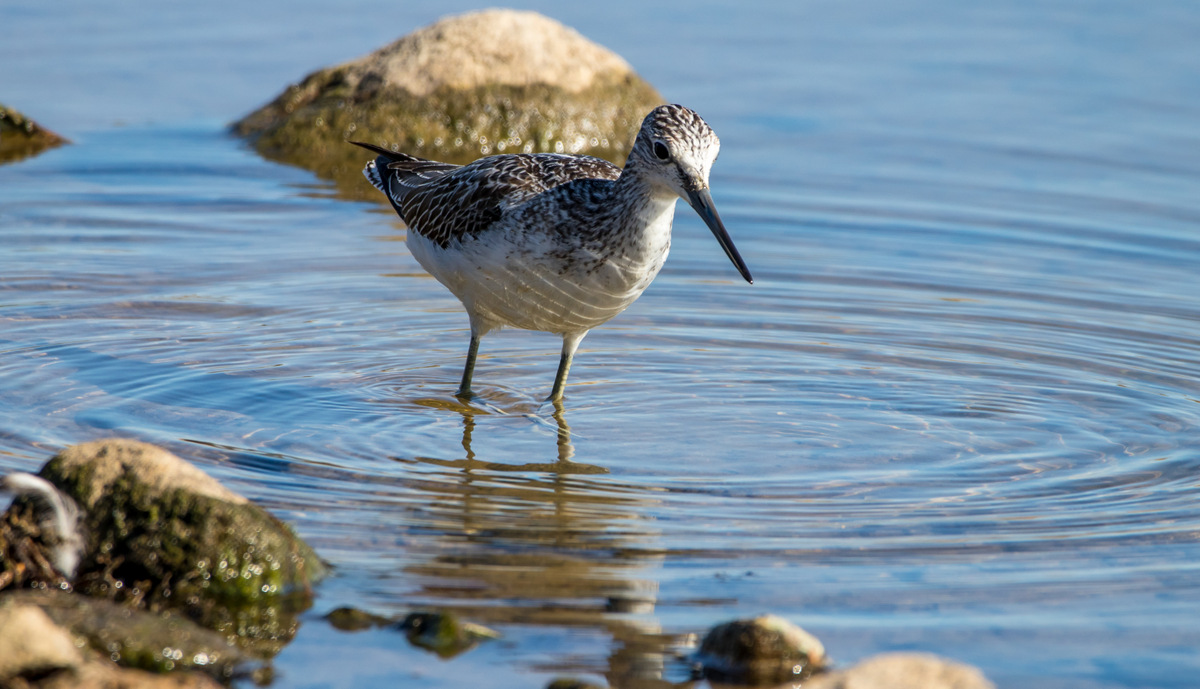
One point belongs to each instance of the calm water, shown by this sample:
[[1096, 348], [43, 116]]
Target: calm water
[[958, 411]]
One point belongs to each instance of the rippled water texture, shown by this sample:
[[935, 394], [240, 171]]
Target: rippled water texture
[[957, 412]]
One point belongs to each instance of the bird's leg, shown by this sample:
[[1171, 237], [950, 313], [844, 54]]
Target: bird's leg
[[464, 388], [570, 344], [565, 449]]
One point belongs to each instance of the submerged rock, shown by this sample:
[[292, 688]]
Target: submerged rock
[[496, 81], [162, 534], [763, 650], [21, 137], [355, 620], [443, 633], [571, 683], [903, 671]]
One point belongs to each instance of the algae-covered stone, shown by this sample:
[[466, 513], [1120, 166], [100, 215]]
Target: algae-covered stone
[[496, 81], [763, 650], [903, 671], [57, 640], [21, 137], [355, 620], [163, 534], [443, 633], [571, 683], [156, 642]]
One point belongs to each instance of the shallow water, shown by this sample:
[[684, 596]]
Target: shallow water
[[957, 412]]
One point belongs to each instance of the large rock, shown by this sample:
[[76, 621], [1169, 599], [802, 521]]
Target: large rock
[[496, 81], [136, 639], [160, 533], [56, 640], [21, 137], [903, 671]]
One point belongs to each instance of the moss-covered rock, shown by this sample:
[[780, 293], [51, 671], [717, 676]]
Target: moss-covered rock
[[443, 633], [497, 81], [763, 650], [354, 620], [160, 533], [154, 642], [21, 137]]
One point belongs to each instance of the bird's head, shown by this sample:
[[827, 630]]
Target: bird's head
[[674, 151]]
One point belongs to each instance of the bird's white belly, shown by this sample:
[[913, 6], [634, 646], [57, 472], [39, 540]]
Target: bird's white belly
[[509, 279]]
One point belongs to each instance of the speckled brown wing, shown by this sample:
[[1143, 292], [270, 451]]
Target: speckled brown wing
[[444, 205]]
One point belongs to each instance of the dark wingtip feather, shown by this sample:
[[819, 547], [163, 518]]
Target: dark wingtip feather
[[393, 156], [374, 170], [379, 150]]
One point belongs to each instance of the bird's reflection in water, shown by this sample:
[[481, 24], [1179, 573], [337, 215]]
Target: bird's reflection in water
[[548, 544], [562, 430]]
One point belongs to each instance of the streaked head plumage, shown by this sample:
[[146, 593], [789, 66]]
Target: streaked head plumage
[[676, 147]]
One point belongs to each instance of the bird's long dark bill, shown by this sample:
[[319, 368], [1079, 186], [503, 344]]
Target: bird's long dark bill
[[701, 201]]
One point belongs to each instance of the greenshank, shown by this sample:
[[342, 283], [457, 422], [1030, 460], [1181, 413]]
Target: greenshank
[[551, 242]]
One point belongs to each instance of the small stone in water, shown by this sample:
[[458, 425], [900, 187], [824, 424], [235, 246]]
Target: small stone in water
[[443, 633], [763, 650]]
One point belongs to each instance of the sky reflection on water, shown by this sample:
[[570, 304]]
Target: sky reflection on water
[[955, 413]]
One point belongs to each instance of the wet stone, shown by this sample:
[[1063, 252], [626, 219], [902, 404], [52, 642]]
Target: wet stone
[[496, 81], [131, 638], [354, 620], [21, 137], [159, 533], [904, 671], [443, 633], [31, 644], [760, 651]]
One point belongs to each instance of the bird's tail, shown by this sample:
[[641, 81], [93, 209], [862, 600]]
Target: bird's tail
[[371, 172]]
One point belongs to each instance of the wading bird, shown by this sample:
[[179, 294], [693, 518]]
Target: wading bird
[[553, 242]]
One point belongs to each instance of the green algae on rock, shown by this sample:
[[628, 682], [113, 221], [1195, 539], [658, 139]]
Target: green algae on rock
[[162, 534], [21, 137], [496, 81], [349, 619], [111, 633], [443, 633]]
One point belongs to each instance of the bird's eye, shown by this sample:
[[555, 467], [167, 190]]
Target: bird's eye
[[661, 150]]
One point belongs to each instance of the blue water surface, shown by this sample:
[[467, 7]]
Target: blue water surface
[[958, 412]]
